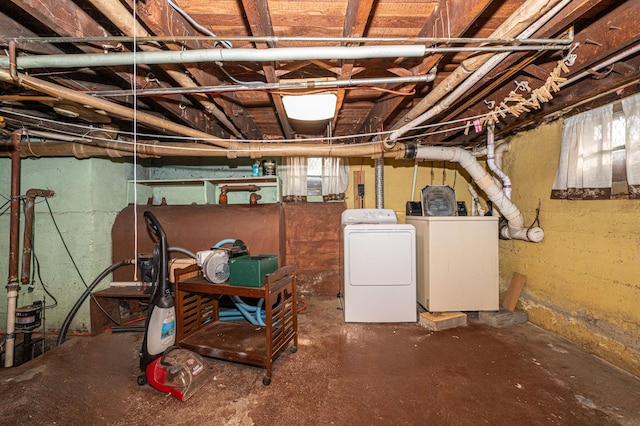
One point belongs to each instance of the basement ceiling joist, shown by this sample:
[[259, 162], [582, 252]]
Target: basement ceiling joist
[[601, 29]]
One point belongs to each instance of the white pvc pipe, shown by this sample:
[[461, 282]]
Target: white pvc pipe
[[12, 298], [475, 202], [515, 228], [414, 182], [506, 182], [499, 152]]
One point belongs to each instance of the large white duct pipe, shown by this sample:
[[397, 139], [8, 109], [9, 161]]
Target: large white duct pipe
[[515, 228]]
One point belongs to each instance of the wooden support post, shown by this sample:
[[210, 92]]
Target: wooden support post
[[358, 180]]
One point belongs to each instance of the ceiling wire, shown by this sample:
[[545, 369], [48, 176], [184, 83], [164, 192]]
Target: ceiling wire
[[134, 86], [84, 131]]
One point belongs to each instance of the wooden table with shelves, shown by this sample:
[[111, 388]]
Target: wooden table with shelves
[[200, 330]]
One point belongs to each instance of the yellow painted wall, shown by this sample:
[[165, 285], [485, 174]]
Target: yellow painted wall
[[398, 178], [583, 280]]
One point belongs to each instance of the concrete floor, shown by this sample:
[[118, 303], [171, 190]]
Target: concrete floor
[[342, 374]]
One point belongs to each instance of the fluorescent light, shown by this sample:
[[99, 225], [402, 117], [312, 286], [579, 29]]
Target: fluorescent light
[[312, 107]]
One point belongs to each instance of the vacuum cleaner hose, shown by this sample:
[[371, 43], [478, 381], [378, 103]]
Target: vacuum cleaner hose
[[74, 310], [183, 251]]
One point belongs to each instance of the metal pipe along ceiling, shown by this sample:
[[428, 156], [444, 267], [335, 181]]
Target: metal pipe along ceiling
[[122, 18], [247, 55]]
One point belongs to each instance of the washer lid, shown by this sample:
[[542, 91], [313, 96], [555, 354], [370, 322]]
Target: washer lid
[[383, 216]]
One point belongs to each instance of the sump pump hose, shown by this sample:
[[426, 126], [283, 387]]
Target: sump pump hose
[[74, 310]]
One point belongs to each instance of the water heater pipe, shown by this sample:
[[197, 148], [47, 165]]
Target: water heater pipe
[[515, 228], [379, 183]]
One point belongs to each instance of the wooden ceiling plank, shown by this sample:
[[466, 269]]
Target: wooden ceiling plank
[[613, 37], [355, 25], [461, 15], [259, 18], [596, 93], [18, 31], [162, 19], [67, 19]]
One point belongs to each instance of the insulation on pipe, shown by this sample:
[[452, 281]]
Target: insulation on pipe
[[515, 228]]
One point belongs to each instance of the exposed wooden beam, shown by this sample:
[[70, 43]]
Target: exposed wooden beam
[[67, 19], [355, 24], [461, 14], [17, 30], [259, 18], [162, 19], [611, 31]]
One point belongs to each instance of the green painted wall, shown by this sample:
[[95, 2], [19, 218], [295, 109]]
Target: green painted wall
[[583, 280], [88, 196]]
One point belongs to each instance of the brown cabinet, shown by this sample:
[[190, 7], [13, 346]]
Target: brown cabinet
[[200, 330]]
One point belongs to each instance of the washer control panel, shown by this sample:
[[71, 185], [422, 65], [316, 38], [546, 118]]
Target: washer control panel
[[380, 216]]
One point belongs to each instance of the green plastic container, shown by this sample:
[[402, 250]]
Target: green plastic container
[[249, 271]]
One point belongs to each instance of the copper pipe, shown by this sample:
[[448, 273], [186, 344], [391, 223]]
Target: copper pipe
[[14, 228], [14, 225], [27, 241], [13, 69], [226, 188]]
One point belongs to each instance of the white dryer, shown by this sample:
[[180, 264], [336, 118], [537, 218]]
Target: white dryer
[[379, 255]]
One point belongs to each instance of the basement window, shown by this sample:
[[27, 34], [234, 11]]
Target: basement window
[[314, 176], [600, 154]]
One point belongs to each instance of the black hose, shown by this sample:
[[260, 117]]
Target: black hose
[[183, 251], [74, 310]]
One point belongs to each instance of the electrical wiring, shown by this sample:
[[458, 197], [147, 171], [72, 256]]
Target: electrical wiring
[[36, 262], [199, 27], [88, 129]]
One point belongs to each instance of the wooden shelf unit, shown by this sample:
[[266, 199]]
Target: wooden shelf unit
[[202, 191], [200, 330], [110, 300]]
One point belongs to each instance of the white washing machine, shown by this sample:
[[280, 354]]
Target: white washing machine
[[379, 256]]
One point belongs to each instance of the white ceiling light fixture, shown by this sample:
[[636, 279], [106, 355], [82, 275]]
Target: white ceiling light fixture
[[310, 107]]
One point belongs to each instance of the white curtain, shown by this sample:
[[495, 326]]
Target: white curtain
[[584, 169], [335, 178], [294, 179], [631, 109]]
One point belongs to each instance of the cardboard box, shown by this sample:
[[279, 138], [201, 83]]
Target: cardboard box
[[249, 271]]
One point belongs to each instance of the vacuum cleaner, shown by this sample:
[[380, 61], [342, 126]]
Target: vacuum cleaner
[[165, 367], [178, 372], [160, 325]]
